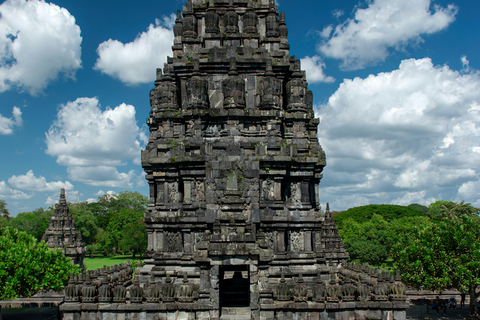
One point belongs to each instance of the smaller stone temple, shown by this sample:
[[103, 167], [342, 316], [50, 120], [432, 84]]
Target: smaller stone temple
[[62, 233]]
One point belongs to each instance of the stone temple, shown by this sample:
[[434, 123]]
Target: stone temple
[[235, 228], [62, 233]]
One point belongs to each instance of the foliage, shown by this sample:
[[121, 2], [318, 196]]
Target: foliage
[[441, 255], [34, 223], [134, 239], [419, 207], [28, 266], [106, 207], [451, 210], [371, 240], [85, 222], [365, 213], [4, 213], [365, 241], [126, 231]]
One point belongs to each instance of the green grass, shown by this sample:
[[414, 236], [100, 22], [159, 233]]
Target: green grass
[[98, 262]]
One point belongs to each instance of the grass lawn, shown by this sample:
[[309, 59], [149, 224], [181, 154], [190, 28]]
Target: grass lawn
[[100, 261]]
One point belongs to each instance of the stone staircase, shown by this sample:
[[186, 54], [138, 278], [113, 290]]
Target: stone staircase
[[236, 313]]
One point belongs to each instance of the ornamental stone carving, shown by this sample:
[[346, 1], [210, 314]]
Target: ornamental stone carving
[[197, 90], [273, 24], [231, 22], [250, 20], [164, 97], [211, 21], [233, 89]]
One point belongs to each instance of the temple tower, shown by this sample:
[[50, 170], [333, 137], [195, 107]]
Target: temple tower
[[62, 233], [234, 161], [235, 228]]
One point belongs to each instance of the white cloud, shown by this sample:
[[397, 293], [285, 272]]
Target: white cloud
[[406, 135], [314, 68], [465, 63], [7, 193], [102, 176], [38, 41], [88, 140], [7, 124], [384, 25], [32, 183], [135, 62]]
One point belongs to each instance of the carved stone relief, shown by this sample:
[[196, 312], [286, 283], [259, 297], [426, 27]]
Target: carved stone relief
[[173, 242], [297, 241]]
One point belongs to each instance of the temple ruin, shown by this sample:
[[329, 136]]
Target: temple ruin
[[235, 228]]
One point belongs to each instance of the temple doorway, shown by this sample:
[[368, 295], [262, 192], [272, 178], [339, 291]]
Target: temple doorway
[[234, 286]]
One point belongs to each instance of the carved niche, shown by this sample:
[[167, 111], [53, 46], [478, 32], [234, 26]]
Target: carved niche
[[250, 20], [211, 21]]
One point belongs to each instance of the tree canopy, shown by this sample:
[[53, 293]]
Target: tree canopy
[[111, 225], [28, 266], [441, 255], [387, 211]]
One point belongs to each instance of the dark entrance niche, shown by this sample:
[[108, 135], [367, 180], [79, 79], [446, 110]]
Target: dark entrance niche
[[234, 286]]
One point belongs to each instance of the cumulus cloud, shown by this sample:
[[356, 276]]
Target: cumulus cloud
[[30, 182], [92, 142], [8, 193], [407, 135], [7, 124], [314, 67], [38, 41], [135, 62], [102, 176], [384, 25]]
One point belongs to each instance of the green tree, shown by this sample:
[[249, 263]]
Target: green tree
[[28, 266], [34, 223], [366, 241], [419, 207], [134, 239], [4, 213], [125, 231], [106, 207], [451, 210], [85, 222], [365, 213], [441, 256]]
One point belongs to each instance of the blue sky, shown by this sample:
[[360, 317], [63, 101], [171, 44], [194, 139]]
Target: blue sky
[[396, 86]]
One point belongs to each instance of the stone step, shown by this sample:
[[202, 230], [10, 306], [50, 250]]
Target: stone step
[[236, 313]]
